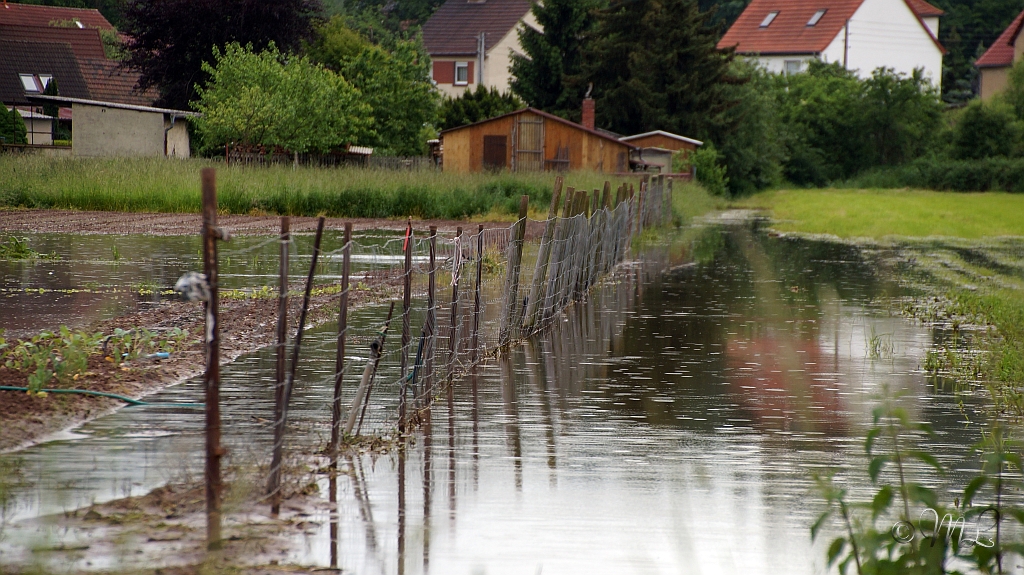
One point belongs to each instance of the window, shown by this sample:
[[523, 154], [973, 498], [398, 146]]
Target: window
[[768, 19], [817, 16], [29, 83], [793, 66], [79, 23], [461, 73], [44, 80]]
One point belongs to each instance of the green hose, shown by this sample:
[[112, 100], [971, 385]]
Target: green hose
[[131, 402]]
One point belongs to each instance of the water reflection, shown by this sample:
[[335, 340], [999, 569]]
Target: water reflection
[[669, 424]]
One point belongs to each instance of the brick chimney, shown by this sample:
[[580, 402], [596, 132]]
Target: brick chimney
[[588, 113]]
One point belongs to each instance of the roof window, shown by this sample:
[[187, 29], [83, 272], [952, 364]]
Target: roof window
[[29, 83], [768, 19], [817, 16]]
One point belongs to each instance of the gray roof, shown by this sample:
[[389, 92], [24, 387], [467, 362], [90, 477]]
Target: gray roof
[[50, 58], [455, 26], [87, 102]]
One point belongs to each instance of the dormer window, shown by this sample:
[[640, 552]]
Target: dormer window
[[817, 16], [769, 18]]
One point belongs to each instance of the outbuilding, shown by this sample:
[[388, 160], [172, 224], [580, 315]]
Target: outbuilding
[[655, 149], [113, 129], [531, 140]]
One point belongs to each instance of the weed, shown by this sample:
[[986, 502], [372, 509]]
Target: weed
[[15, 248], [881, 346]]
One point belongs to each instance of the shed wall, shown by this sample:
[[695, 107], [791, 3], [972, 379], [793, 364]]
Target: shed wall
[[101, 131], [660, 141]]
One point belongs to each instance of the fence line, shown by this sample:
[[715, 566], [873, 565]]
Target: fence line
[[502, 289]]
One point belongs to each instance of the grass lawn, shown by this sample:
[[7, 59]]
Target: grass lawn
[[881, 213]]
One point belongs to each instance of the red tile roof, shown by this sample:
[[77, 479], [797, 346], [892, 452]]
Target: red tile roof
[[85, 43], [924, 9], [109, 83], [789, 33], [1000, 53], [33, 15], [455, 26]]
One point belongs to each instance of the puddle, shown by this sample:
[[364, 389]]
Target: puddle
[[669, 424]]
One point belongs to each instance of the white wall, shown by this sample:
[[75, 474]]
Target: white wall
[[496, 62], [887, 33], [777, 64]]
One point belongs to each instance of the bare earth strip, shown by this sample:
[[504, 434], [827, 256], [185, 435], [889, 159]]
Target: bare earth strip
[[75, 222]]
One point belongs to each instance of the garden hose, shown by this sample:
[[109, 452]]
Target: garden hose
[[131, 402]]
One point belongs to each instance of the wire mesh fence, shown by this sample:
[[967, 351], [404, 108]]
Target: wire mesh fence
[[452, 301]]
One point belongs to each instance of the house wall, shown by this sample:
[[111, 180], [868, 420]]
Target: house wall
[[101, 131], [497, 62], [39, 132], [463, 148], [932, 22], [654, 157], [178, 145], [664, 142], [993, 81], [777, 64], [887, 33]]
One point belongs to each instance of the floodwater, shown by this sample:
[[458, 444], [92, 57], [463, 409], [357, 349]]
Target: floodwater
[[671, 424]]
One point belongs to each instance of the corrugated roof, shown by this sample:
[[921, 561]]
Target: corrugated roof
[[109, 83], [118, 105], [85, 43], [788, 32], [1000, 53], [33, 15], [544, 114], [456, 25], [662, 133], [51, 58]]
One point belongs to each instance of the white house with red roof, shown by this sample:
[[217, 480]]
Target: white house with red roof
[[994, 65], [862, 35]]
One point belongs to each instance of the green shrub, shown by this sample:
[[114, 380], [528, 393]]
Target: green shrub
[[980, 175], [986, 130], [710, 172]]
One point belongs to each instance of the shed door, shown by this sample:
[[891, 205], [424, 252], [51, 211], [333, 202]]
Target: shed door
[[529, 143], [495, 152]]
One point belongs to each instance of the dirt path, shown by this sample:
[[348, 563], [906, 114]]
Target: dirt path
[[75, 222]]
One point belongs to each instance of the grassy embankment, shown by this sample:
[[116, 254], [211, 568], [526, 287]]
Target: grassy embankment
[[158, 185], [966, 248]]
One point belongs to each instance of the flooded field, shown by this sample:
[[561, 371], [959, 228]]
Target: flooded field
[[670, 424]]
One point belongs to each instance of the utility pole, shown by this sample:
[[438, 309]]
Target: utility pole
[[846, 44]]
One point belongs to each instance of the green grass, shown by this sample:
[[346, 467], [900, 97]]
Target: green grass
[[883, 213], [160, 185]]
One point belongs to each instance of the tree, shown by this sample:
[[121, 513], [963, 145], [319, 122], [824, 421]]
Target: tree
[[899, 114], [335, 43], [396, 85], [473, 106], [654, 66], [12, 127], [169, 40], [264, 99], [553, 55], [986, 130]]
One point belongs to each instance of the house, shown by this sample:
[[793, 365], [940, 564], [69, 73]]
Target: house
[[862, 35], [471, 42], [531, 140], [994, 65], [115, 129]]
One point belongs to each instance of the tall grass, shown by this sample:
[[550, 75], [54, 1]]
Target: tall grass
[[160, 185]]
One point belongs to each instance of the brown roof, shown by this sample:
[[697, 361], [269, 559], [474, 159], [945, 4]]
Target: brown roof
[[552, 117], [85, 43], [1000, 53], [789, 33], [109, 83], [455, 26], [924, 9], [56, 59], [33, 15]]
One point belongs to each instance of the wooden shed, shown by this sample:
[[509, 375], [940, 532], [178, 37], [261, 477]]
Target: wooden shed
[[663, 140], [531, 140]]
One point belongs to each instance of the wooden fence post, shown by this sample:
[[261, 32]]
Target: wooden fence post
[[431, 322], [557, 264], [339, 358], [543, 256], [509, 318], [453, 328], [406, 327], [476, 296], [214, 451], [274, 485]]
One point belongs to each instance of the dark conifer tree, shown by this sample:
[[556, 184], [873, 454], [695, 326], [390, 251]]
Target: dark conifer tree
[[473, 106], [170, 39], [554, 55]]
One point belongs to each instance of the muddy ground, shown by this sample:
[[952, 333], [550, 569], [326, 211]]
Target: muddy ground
[[75, 222]]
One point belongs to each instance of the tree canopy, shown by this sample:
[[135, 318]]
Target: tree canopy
[[262, 98], [475, 105], [654, 66], [552, 56], [169, 40]]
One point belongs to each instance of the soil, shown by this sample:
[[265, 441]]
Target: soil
[[75, 222]]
